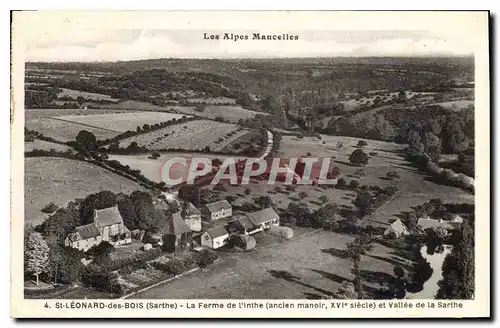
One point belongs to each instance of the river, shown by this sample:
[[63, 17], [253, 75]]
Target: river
[[431, 286]]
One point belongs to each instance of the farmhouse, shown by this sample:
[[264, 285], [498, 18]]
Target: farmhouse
[[264, 219], [217, 210], [107, 226], [192, 216], [242, 225], [215, 237], [427, 223], [397, 227], [84, 237], [177, 236], [110, 224]]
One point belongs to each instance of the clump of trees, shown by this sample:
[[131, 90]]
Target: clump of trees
[[358, 157], [458, 268]]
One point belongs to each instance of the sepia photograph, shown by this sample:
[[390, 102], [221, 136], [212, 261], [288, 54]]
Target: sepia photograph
[[276, 166]]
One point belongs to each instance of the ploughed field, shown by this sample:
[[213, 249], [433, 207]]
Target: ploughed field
[[194, 135], [60, 180]]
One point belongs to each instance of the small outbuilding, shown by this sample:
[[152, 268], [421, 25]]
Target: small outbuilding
[[215, 237]]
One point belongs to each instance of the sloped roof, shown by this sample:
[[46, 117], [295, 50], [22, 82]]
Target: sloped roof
[[262, 216], [87, 231], [107, 216], [430, 223], [175, 225], [398, 226], [218, 206], [245, 223], [191, 209], [217, 232]]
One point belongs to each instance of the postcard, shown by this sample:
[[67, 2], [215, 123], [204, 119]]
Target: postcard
[[250, 164]]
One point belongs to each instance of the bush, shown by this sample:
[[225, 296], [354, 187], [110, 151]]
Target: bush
[[283, 232], [205, 257], [362, 143], [354, 184], [341, 184], [50, 208], [303, 194], [392, 175], [358, 157]]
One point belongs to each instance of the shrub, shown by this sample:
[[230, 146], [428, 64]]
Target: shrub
[[354, 184], [205, 257], [248, 191], [323, 199], [303, 194], [283, 232], [362, 143], [341, 184], [50, 208], [358, 157]]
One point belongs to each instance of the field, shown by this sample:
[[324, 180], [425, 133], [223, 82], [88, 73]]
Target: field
[[61, 180], [212, 100], [307, 267], [123, 121], [413, 186], [190, 135], [87, 95], [140, 105], [228, 113], [353, 104], [45, 145], [64, 130], [151, 168], [36, 113], [457, 105]]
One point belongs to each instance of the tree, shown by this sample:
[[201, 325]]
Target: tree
[[302, 194], [147, 216], [190, 193], [364, 202], [36, 255], [86, 140], [355, 249], [101, 200], [323, 199], [458, 268], [432, 146], [358, 157], [346, 291], [362, 143], [341, 184], [413, 137], [80, 100], [57, 226], [263, 201]]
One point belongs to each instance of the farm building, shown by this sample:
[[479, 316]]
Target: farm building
[[110, 224], [107, 226], [397, 227], [241, 225], [177, 236], [264, 219], [215, 237], [217, 210], [192, 216], [427, 223], [84, 237]]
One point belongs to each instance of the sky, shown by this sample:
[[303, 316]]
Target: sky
[[70, 40]]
